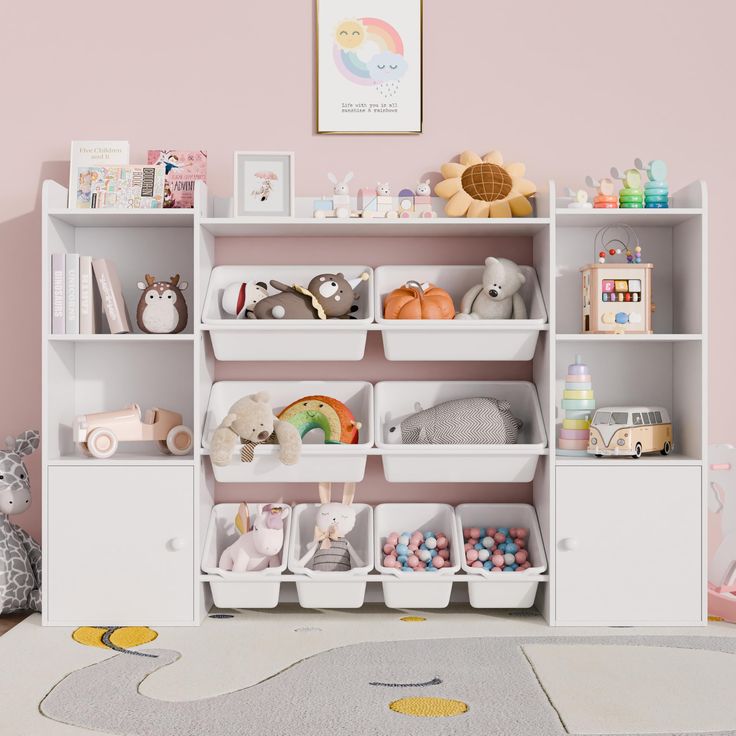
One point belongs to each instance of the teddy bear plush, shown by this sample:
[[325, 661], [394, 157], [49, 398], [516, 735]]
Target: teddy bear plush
[[251, 422], [498, 296]]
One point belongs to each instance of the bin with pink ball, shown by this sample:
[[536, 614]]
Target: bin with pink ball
[[504, 552]]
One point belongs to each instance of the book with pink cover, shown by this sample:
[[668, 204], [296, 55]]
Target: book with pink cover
[[111, 295], [135, 186], [182, 169]]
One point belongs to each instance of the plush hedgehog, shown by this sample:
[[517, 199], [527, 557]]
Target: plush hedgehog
[[476, 421], [239, 299], [327, 296]]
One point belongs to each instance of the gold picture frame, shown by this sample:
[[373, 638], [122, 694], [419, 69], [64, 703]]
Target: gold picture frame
[[408, 103]]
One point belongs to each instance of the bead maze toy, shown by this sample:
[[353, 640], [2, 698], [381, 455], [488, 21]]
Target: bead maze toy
[[617, 298], [578, 403], [722, 532]]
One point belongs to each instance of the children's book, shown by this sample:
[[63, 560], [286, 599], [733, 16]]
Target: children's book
[[111, 295], [93, 153], [87, 302], [183, 168], [71, 269], [135, 186], [58, 294]]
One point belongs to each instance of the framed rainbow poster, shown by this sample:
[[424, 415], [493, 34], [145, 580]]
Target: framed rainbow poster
[[369, 66]]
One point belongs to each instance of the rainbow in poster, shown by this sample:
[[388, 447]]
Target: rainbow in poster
[[370, 52]]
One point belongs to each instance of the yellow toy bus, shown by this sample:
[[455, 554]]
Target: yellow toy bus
[[630, 431]]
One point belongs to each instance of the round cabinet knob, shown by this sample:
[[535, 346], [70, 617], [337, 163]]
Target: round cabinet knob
[[177, 544], [569, 544]]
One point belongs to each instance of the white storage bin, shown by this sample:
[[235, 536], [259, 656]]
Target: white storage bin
[[502, 589], [331, 589], [240, 589], [395, 400], [253, 339], [512, 339], [416, 589], [319, 462]]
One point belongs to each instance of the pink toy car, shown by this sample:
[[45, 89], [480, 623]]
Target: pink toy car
[[99, 434]]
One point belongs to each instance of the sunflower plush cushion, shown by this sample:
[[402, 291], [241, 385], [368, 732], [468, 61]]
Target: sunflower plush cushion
[[485, 187]]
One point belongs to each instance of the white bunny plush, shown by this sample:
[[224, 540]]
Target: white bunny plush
[[340, 187], [330, 551], [423, 189]]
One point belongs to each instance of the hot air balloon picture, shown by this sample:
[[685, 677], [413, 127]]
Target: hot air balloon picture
[[369, 66], [264, 184]]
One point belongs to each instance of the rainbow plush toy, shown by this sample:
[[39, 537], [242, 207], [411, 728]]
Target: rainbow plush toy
[[325, 413]]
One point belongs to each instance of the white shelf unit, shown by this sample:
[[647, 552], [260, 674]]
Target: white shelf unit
[[90, 373]]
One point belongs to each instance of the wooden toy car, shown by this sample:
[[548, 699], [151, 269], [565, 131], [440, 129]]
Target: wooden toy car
[[99, 434]]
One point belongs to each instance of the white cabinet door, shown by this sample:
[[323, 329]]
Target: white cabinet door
[[120, 545], [629, 545]]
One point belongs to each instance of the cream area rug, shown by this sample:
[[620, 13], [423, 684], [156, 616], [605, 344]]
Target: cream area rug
[[368, 672]]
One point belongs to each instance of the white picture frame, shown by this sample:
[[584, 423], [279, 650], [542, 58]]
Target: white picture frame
[[263, 184], [369, 66]]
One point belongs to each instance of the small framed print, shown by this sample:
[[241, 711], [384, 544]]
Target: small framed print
[[264, 184], [369, 66]]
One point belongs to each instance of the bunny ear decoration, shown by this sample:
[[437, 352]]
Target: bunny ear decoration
[[348, 177], [325, 492], [332, 178], [348, 493]]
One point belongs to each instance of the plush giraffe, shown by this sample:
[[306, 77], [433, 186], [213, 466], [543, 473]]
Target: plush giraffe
[[20, 555]]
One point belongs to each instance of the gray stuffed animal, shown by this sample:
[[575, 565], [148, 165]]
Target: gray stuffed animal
[[20, 555], [498, 296], [475, 421]]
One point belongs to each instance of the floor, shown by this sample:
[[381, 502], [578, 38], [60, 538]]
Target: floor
[[11, 619], [214, 656]]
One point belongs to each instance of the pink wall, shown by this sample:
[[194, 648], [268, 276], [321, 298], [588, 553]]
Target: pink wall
[[569, 87]]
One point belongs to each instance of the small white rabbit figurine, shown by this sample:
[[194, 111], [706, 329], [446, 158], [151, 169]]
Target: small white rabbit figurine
[[340, 187], [423, 188], [383, 190], [330, 551]]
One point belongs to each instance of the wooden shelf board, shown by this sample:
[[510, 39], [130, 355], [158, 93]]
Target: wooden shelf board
[[356, 227], [644, 460], [641, 218], [124, 218]]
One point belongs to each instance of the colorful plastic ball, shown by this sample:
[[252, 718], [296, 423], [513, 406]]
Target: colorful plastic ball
[[393, 538], [424, 555], [487, 565], [487, 542], [511, 547], [507, 569], [402, 559], [482, 531], [442, 542], [430, 543], [413, 561], [413, 548], [428, 535], [390, 561], [477, 563], [475, 533], [602, 254], [504, 530], [438, 562], [404, 539], [497, 560], [402, 548], [479, 546], [490, 531], [521, 556], [611, 251], [430, 568], [466, 532], [444, 554], [522, 533], [471, 555], [499, 537], [483, 555], [509, 559], [388, 549], [496, 569]]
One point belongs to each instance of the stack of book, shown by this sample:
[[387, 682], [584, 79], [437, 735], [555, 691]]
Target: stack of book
[[100, 176], [81, 287]]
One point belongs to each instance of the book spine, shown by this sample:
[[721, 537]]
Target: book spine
[[111, 294], [71, 280], [58, 298], [87, 316]]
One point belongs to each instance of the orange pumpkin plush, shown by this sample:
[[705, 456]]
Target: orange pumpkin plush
[[418, 301]]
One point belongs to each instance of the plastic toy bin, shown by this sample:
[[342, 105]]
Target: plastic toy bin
[[331, 589], [240, 589], [272, 339], [416, 589], [318, 462], [507, 339], [427, 463], [502, 589]]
